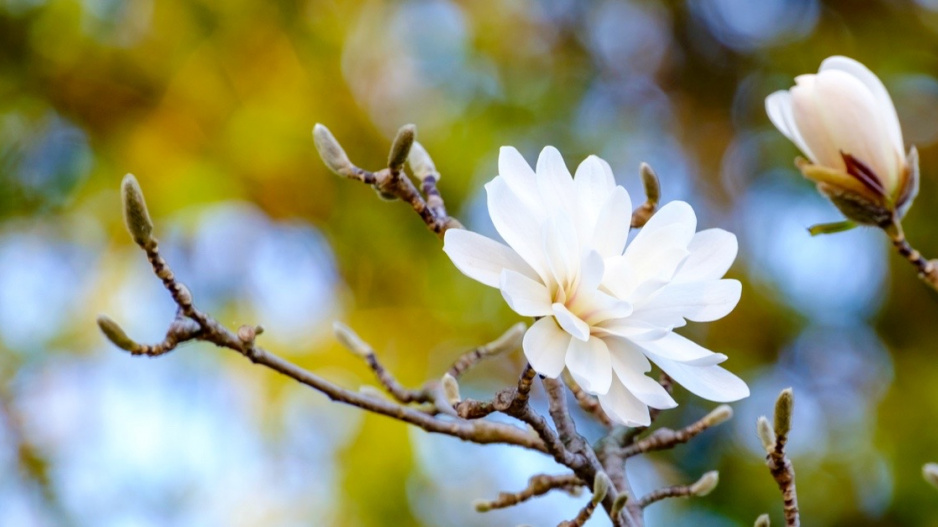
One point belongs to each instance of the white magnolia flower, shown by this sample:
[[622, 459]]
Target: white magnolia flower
[[604, 310], [844, 121]]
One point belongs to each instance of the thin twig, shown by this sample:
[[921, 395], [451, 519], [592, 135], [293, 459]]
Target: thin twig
[[538, 485], [508, 341], [779, 465], [666, 438], [927, 269]]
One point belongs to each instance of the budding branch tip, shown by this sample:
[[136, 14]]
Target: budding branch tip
[[765, 433], [116, 334], [784, 406], [136, 216], [601, 486], [331, 152], [706, 483], [763, 521], [400, 147], [651, 183], [350, 340]]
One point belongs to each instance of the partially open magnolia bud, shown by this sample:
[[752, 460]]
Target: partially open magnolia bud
[[845, 123]]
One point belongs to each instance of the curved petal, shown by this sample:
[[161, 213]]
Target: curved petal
[[517, 225], [681, 349], [482, 258], [712, 252], [593, 183], [525, 296], [613, 222], [623, 407], [697, 301], [710, 382], [630, 365], [662, 243], [876, 87], [554, 183], [590, 364], [571, 323], [561, 249], [779, 107], [630, 329], [592, 268], [517, 172], [545, 346]]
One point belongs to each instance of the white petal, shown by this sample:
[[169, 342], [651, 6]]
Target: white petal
[[545, 346], [630, 329], [661, 245], [570, 322], [681, 349], [482, 258], [590, 364], [630, 366], [876, 87], [613, 223], [517, 225], [594, 183], [710, 382], [779, 107], [554, 181], [623, 407], [712, 252], [595, 306], [697, 301], [525, 296], [516, 171], [561, 248], [592, 268]]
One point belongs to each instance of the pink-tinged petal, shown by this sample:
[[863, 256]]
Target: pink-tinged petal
[[595, 306], [545, 346], [696, 301], [710, 382], [712, 252], [561, 249], [623, 407], [676, 348], [517, 225], [630, 365], [554, 182], [590, 364], [525, 296], [482, 258], [571, 323], [779, 107], [876, 87], [611, 231]]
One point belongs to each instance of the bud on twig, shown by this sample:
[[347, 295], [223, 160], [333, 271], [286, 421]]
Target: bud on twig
[[719, 415], [481, 505], [400, 148], [783, 409], [116, 334], [451, 389], [330, 150], [650, 181], [766, 434], [351, 340], [706, 483], [763, 521], [618, 504], [136, 216], [601, 485], [421, 163], [930, 471]]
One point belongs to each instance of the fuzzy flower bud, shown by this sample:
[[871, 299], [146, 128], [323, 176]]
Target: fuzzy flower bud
[[845, 123]]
